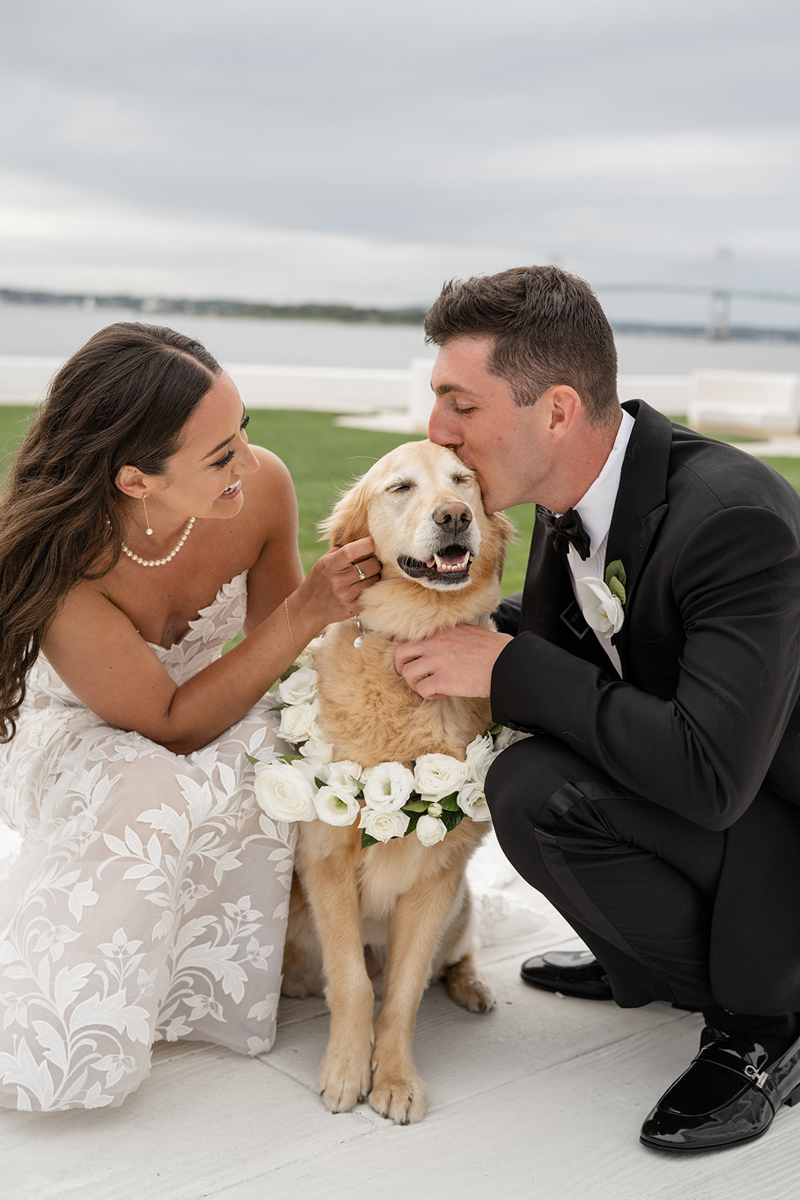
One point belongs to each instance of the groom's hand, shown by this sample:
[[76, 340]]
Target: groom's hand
[[454, 662]]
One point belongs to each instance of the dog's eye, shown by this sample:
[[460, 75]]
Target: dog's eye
[[461, 478], [400, 487]]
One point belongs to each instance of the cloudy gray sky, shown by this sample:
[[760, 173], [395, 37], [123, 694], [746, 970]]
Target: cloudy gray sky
[[364, 151]]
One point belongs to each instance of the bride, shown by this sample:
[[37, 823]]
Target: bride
[[139, 533]]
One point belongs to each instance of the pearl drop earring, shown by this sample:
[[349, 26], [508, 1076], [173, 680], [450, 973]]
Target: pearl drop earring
[[148, 530]]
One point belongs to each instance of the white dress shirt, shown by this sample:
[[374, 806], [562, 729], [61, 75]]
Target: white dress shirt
[[596, 508]]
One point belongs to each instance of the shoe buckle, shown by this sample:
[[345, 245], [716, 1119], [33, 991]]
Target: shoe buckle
[[759, 1078]]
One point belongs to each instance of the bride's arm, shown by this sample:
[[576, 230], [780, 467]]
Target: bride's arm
[[98, 653]]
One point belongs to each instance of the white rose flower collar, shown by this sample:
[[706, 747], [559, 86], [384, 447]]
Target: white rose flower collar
[[388, 800]]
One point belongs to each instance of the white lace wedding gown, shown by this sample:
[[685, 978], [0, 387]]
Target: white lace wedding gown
[[151, 894]]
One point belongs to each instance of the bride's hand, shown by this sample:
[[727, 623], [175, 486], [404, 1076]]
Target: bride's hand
[[332, 589]]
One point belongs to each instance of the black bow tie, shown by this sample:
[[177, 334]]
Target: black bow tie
[[565, 531]]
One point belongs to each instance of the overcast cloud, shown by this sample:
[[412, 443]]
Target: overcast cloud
[[365, 151]]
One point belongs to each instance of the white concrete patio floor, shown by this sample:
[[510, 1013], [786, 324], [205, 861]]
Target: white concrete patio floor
[[542, 1098]]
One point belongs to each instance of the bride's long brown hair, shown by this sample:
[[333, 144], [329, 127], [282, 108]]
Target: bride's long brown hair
[[123, 398]]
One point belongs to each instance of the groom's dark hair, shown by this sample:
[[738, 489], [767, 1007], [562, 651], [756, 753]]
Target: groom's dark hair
[[548, 329]]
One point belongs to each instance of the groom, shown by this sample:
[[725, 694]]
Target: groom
[[655, 655]]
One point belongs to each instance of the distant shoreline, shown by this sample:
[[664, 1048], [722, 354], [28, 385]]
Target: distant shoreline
[[218, 308], [348, 313]]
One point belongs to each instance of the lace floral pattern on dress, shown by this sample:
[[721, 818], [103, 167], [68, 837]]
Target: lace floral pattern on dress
[[151, 894]]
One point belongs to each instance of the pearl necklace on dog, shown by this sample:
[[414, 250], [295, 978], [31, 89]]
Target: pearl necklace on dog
[[160, 562]]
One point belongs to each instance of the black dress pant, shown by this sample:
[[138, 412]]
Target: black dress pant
[[673, 911]]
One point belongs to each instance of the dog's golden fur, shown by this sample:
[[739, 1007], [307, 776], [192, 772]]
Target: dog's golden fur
[[412, 898]]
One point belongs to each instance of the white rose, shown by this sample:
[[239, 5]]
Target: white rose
[[336, 807], [439, 774], [299, 688], [384, 825], [311, 769], [480, 756], [296, 722], [472, 802], [601, 608], [283, 793], [388, 787], [430, 830], [345, 776], [314, 747], [305, 657], [507, 737]]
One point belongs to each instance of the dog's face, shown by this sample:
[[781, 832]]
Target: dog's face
[[423, 509]]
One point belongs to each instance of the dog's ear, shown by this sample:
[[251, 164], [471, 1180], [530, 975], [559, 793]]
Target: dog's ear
[[349, 520], [503, 533]]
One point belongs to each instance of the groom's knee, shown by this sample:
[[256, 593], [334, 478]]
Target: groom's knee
[[520, 785]]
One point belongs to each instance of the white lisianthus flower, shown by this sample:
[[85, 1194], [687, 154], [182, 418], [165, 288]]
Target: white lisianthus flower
[[439, 774], [601, 608], [507, 737], [384, 825], [479, 757], [345, 776], [314, 747], [388, 787], [311, 769], [299, 688], [296, 722], [430, 830], [283, 793], [336, 807], [472, 802]]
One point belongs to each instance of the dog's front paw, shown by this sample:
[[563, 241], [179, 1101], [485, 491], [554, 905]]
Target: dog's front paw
[[343, 1083], [468, 987], [402, 1099]]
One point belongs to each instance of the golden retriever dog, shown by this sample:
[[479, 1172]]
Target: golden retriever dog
[[442, 562]]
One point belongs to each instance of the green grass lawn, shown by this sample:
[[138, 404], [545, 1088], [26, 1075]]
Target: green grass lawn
[[323, 458]]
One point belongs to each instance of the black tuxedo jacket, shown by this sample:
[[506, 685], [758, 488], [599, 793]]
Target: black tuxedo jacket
[[706, 711]]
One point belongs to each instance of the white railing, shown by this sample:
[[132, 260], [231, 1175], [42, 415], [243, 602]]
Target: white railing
[[754, 402]]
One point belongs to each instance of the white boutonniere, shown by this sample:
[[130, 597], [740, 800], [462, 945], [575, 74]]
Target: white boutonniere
[[602, 602]]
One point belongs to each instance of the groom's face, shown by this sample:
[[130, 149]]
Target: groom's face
[[474, 414]]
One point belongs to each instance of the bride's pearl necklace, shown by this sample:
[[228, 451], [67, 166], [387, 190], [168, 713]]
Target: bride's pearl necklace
[[160, 562]]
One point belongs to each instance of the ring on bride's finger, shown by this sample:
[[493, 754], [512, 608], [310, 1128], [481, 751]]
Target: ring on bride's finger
[[361, 574]]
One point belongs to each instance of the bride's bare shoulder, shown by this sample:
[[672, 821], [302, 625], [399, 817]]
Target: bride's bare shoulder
[[269, 491]]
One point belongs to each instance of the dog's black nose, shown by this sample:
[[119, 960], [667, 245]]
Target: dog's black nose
[[455, 517]]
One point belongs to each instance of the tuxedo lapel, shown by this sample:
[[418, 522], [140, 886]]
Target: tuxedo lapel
[[641, 500], [549, 607]]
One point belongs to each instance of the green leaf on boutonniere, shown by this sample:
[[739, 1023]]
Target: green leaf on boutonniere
[[450, 803], [615, 579], [416, 806], [451, 819], [367, 840]]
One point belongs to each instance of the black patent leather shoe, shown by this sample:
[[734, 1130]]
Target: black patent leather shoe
[[570, 972], [729, 1094]]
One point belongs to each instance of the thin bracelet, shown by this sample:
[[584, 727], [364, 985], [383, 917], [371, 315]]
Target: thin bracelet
[[289, 623]]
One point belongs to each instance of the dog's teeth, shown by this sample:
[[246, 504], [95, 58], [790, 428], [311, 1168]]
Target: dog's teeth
[[439, 564]]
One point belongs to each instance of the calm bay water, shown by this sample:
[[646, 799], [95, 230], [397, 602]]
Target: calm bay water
[[56, 331]]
